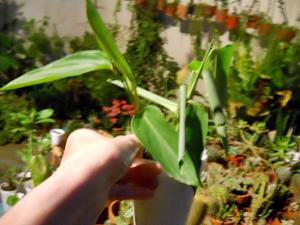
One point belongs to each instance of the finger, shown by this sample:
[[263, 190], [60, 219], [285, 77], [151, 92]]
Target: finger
[[145, 174], [125, 192]]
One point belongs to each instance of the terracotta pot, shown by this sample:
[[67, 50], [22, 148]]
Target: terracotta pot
[[272, 175], [220, 222], [285, 34], [181, 11], [289, 214], [275, 221], [253, 21], [170, 9], [209, 10], [232, 22], [169, 206], [141, 2], [243, 200], [221, 15], [264, 29], [113, 210]]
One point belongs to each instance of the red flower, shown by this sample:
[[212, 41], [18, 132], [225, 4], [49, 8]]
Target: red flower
[[113, 120], [116, 102]]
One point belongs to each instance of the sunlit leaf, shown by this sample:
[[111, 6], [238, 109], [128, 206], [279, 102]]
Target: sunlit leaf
[[69, 66], [161, 141]]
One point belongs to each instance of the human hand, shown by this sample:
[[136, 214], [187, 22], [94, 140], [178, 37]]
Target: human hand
[[130, 177]]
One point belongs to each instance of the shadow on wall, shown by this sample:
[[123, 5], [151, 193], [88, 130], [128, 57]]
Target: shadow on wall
[[10, 15]]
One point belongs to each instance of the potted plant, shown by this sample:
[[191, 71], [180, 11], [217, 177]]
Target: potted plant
[[253, 21], [285, 33], [232, 21], [222, 11], [209, 10], [9, 188], [223, 209], [180, 159], [181, 11]]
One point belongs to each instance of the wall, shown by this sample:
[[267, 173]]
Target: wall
[[67, 17]]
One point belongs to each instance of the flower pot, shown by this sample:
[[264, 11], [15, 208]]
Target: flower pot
[[220, 222], [285, 34], [264, 29], [5, 192], [57, 136], [186, 26], [289, 214], [113, 210], [209, 10], [275, 221], [169, 205], [141, 2], [232, 22], [170, 9], [181, 11], [253, 21], [243, 199], [196, 26], [221, 15]]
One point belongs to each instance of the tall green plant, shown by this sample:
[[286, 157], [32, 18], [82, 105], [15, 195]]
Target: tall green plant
[[149, 124]]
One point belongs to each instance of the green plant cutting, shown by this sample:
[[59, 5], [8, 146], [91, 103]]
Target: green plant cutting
[[178, 150]]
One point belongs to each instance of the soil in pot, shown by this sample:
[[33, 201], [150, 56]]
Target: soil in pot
[[8, 187]]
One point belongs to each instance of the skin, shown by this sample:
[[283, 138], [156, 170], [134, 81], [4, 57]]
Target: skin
[[94, 169]]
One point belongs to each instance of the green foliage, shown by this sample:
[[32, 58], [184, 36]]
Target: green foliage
[[153, 68], [12, 200]]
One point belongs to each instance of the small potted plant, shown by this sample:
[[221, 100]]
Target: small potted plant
[[222, 11], [9, 189], [285, 32], [223, 210], [253, 21], [232, 21]]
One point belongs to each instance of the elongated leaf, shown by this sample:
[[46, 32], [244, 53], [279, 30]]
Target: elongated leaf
[[160, 139], [108, 45], [196, 131], [224, 58], [150, 96], [69, 66], [196, 73]]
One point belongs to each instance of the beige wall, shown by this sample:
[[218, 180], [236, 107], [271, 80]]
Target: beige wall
[[67, 17]]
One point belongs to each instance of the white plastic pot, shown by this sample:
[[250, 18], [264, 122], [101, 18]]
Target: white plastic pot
[[5, 194], [57, 136], [169, 206]]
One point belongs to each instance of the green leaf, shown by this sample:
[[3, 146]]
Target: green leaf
[[69, 66], [105, 39], [45, 113], [12, 200], [108, 45], [224, 56], [161, 140], [196, 131], [197, 70], [150, 96]]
